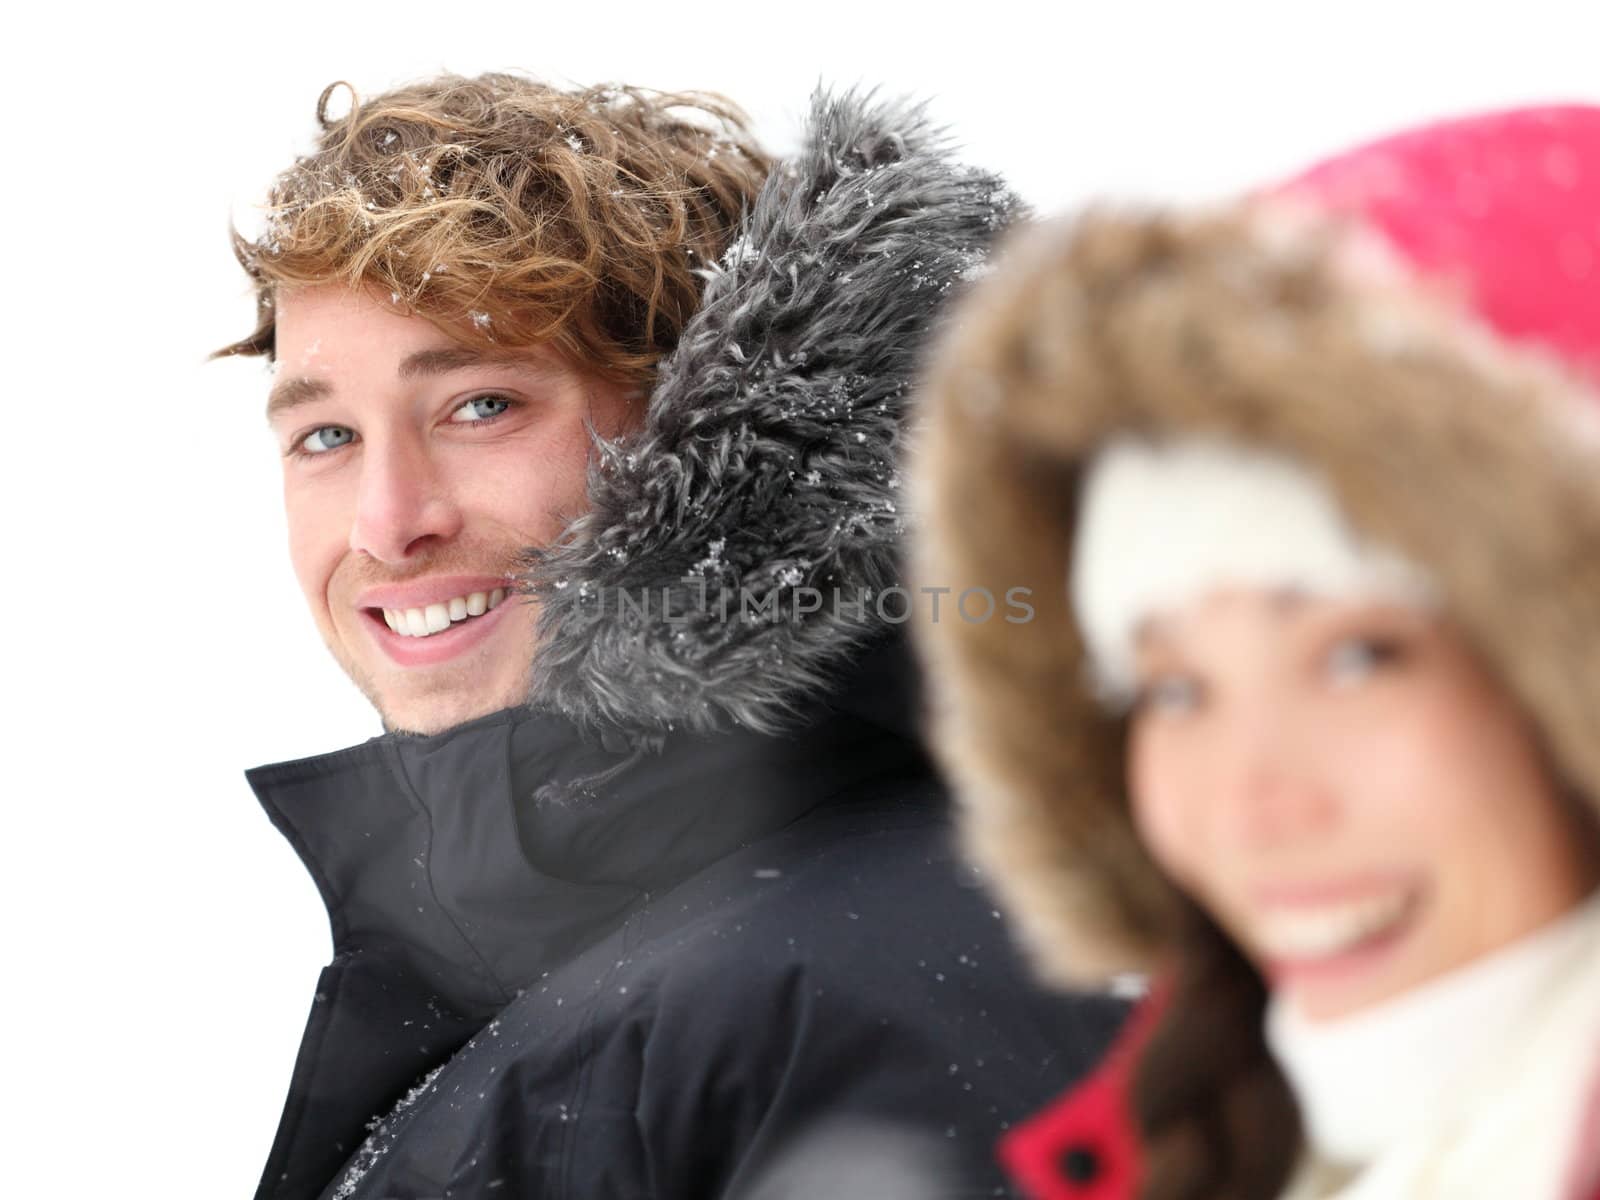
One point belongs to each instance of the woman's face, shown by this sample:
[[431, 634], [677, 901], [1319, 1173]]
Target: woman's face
[[1347, 792]]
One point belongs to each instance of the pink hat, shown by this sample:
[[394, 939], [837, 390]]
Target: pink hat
[[1506, 205], [1499, 209]]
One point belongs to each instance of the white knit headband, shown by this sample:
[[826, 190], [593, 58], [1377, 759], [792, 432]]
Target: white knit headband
[[1161, 525]]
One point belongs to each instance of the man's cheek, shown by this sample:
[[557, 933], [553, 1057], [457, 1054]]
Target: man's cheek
[[532, 505], [314, 557]]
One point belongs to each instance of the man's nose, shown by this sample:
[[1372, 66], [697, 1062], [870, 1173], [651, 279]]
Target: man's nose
[[404, 504]]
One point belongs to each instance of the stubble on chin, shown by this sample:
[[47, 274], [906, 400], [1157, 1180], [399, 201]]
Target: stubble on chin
[[424, 718], [425, 715], [363, 681]]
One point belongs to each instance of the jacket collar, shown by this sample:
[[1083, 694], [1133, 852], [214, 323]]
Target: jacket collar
[[477, 857]]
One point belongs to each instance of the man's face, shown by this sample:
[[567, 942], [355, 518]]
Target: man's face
[[415, 469]]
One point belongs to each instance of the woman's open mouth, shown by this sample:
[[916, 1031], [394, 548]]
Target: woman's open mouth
[[1305, 942]]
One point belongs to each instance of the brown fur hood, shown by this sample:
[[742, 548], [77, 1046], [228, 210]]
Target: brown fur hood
[[1478, 459]]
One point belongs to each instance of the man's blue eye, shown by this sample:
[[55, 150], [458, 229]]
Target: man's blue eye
[[472, 405], [309, 445]]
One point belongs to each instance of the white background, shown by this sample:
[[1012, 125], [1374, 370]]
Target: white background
[[163, 939]]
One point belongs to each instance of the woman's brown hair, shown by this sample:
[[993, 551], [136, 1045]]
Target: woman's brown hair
[[512, 213], [1216, 1117]]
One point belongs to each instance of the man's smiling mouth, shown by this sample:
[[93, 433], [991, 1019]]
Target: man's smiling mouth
[[435, 618]]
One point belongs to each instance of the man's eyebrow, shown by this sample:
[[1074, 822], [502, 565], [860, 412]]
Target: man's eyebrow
[[289, 393], [441, 360]]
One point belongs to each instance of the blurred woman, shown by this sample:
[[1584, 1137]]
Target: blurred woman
[[1304, 492]]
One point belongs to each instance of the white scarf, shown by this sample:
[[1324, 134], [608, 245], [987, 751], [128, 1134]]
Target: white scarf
[[1480, 1083]]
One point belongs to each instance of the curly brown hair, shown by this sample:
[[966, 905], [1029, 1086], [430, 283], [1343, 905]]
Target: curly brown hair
[[513, 213], [1216, 1116]]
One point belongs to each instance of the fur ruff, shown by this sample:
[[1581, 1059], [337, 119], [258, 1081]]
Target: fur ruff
[[767, 460], [1475, 459]]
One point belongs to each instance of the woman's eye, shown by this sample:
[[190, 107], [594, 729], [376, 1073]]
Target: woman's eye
[[320, 441], [1353, 659], [1169, 695], [480, 409]]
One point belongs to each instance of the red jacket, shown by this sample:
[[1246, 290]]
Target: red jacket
[[1084, 1146]]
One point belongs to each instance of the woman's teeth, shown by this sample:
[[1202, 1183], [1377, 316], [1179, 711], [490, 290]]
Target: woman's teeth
[[1328, 929], [420, 622]]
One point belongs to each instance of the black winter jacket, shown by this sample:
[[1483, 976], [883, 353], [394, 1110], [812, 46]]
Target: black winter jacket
[[654, 993], [699, 898]]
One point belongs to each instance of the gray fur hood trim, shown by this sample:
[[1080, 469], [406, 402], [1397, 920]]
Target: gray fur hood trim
[[766, 463]]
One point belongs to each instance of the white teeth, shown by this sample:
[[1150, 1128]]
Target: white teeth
[[1330, 929], [430, 619]]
